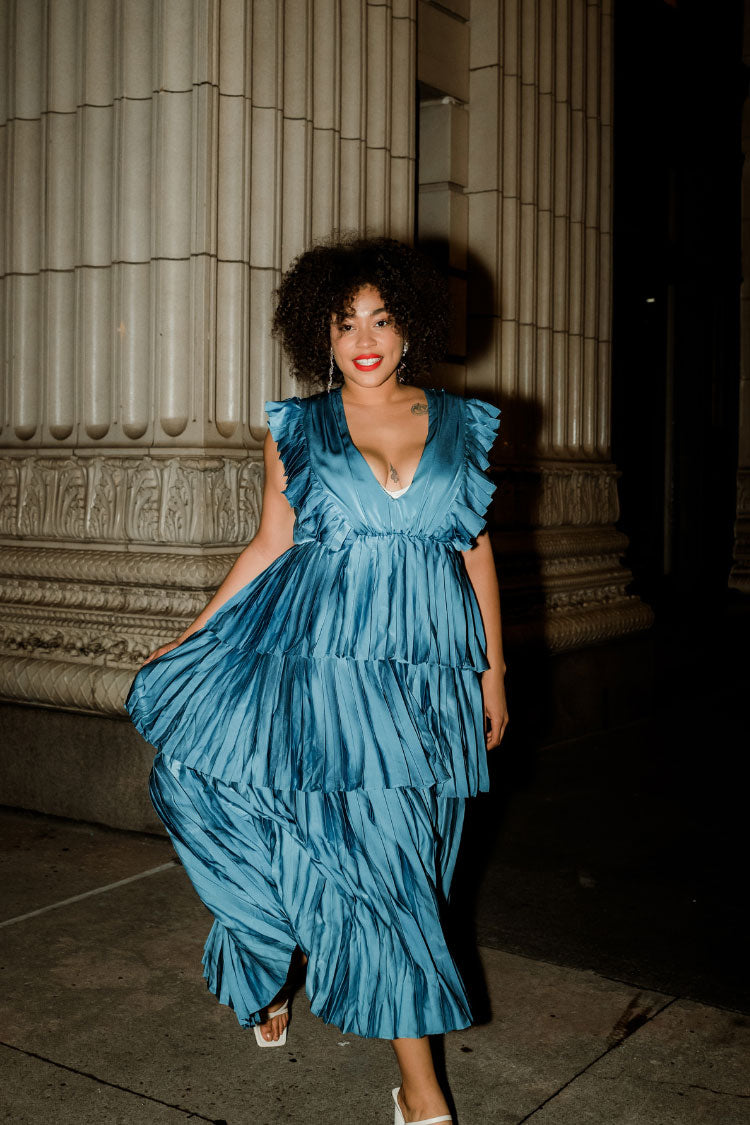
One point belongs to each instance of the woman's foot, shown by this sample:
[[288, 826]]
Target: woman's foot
[[272, 1028], [422, 1105]]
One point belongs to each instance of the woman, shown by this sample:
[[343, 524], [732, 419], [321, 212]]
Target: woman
[[322, 721]]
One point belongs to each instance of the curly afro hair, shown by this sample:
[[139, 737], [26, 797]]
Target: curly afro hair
[[321, 283]]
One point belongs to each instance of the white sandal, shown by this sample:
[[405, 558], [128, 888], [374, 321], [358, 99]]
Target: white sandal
[[399, 1118], [272, 1042]]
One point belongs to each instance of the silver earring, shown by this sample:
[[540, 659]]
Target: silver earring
[[402, 366], [330, 373]]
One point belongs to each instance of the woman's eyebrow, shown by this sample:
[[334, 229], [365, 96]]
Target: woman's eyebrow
[[352, 314]]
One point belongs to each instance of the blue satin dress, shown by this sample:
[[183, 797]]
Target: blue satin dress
[[318, 737]]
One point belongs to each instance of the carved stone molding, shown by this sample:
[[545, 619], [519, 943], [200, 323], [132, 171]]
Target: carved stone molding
[[180, 501], [189, 571], [67, 614], [556, 495], [93, 638], [584, 625], [566, 587], [101, 610], [559, 555], [99, 690], [78, 660]]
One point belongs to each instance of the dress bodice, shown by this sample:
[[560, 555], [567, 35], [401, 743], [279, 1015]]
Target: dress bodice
[[337, 497]]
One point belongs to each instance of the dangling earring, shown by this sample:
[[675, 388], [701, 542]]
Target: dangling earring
[[402, 366], [330, 373]]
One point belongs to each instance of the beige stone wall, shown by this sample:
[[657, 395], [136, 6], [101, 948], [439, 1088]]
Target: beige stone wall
[[164, 160], [515, 195], [539, 236]]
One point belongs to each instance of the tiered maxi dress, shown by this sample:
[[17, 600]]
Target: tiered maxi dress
[[318, 736]]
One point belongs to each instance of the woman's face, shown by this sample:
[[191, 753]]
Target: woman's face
[[367, 346]]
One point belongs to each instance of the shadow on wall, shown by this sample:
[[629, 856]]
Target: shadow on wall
[[511, 518]]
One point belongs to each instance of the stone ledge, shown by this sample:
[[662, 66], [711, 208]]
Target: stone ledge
[[576, 626], [64, 684], [120, 565], [83, 767]]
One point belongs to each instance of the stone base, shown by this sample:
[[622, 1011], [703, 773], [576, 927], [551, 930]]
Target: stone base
[[566, 587], [84, 767], [77, 623], [95, 769]]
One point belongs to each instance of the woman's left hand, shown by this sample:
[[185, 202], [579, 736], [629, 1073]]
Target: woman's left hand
[[495, 707]]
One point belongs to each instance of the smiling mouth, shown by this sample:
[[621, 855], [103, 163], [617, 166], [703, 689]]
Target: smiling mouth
[[367, 362]]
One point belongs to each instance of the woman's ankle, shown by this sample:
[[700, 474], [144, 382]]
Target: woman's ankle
[[423, 1100]]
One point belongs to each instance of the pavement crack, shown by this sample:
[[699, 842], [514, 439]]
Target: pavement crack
[[721, 1093], [626, 1025], [191, 1114]]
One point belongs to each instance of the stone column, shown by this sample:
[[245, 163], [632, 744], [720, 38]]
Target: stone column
[[442, 211], [739, 577], [539, 201], [164, 160]]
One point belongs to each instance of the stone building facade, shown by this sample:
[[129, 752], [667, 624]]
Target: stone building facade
[[164, 162]]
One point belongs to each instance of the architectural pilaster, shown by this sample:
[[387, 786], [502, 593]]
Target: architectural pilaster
[[539, 243], [163, 163]]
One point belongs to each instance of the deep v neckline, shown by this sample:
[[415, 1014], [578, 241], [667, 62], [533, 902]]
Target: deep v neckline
[[362, 460]]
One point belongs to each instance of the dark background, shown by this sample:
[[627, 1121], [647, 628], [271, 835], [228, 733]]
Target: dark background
[[614, 837]]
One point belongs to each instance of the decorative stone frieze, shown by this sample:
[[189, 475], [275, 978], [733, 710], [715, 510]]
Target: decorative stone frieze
[[149, 500], [556, 496]]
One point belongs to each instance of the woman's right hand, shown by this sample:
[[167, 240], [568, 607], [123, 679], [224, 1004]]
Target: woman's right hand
[[161, 651]]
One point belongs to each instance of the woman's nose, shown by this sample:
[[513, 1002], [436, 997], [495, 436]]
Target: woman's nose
[[365, 336]]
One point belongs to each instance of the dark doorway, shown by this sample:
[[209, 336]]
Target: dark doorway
[[679, 89]]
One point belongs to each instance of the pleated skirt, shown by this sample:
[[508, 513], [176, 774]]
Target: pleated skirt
[[358, 880]]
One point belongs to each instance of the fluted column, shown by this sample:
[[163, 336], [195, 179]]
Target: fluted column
[[540, 201], [164, 161]]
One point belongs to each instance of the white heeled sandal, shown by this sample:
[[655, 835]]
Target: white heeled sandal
[[399, 1118], [272, 1042]]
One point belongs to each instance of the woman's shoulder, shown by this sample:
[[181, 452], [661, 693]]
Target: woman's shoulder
[[291, 411], [475, 408], [473, 432], [295, 400]]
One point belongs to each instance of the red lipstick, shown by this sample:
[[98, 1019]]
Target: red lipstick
[[367, 362]]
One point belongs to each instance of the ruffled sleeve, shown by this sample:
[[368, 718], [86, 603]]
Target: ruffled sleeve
[[472, 499], [318, 516], [287, 430]]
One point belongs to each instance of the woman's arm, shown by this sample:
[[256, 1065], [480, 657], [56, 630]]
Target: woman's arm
[[480, 566], [273, 537]]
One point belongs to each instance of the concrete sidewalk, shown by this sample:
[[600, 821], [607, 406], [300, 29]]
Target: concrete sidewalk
[[105, 1019]]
